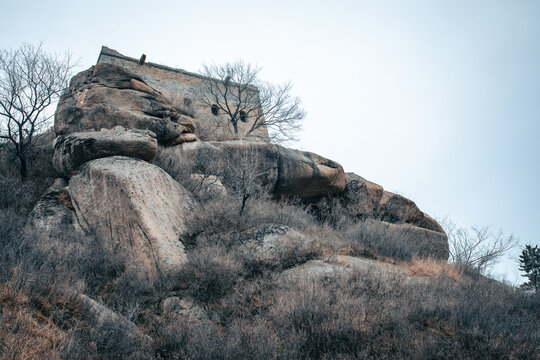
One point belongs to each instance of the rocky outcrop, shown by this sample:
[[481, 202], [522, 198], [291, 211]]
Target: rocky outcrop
[[285, 172], [136, 209], [73, 150], [339, 265], [364, 199], [107, 95]]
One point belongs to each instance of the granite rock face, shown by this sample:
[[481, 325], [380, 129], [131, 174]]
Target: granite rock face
[[135, 208], [366, 200], [73, 150], [107, 95], [283, 171]]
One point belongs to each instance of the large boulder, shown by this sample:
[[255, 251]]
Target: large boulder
[[73, 150], [361, 196], [108, 95], [135, 208], [283, 171], [364, 199]]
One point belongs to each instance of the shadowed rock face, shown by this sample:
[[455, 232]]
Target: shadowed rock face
[[285, 172], [73, 150], [135, 208], [365, 199], [107, 95], [53, 218]]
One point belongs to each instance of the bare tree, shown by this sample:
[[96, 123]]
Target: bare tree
[[30, 81], [477, 248], [235, 90], [243, 172]]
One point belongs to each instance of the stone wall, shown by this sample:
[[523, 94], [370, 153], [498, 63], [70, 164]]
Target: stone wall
[[183, 89]]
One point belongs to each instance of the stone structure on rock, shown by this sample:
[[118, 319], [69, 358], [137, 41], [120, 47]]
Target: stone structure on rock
[[183, 89]]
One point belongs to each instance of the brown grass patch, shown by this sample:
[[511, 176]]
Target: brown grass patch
[[433, 268], [25, 333]]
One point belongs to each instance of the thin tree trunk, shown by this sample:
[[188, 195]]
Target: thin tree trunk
[[244, 199], [24, 169]]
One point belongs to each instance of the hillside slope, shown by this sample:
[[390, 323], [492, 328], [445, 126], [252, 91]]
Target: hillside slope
[[134, 238]]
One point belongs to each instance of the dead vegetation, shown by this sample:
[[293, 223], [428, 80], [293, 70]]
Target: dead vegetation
[[235, 304]]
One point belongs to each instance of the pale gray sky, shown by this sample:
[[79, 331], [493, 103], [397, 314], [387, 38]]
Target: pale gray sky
[[437, 100]]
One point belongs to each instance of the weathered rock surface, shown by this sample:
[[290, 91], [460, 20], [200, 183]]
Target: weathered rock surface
[[107, 95], [285, 172], [365, 199], [136, 209], [73, 150], [53, 218], [276, 245], [342, 265], [111, 325], [314, 269]]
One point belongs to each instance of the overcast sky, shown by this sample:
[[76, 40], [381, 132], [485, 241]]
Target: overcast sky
[[436, 100]]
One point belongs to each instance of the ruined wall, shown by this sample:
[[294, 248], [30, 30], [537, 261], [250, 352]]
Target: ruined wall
[[183, 89]]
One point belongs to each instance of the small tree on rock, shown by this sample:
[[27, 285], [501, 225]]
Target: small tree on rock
[[234, 90], [244, 173], [30, 81], [530, 264]]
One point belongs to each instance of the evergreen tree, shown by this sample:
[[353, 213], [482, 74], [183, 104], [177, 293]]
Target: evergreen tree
[[530, 264]]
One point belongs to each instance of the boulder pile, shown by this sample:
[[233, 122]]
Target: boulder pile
[[109, 126]]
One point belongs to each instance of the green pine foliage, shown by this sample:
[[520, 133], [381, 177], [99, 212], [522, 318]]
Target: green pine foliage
[[530, 264]]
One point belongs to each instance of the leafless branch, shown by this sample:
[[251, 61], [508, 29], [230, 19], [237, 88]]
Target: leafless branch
[[30, 81], [478, 247], [238, 93]]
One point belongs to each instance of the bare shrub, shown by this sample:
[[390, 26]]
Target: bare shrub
[[218, 218], [478, 248], [193, 177], [330, 210], [243, 172], [279, 248], [211, 272], [183, 339]]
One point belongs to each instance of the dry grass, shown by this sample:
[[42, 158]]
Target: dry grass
[[250, 309], [25, 333], [432, 268]]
